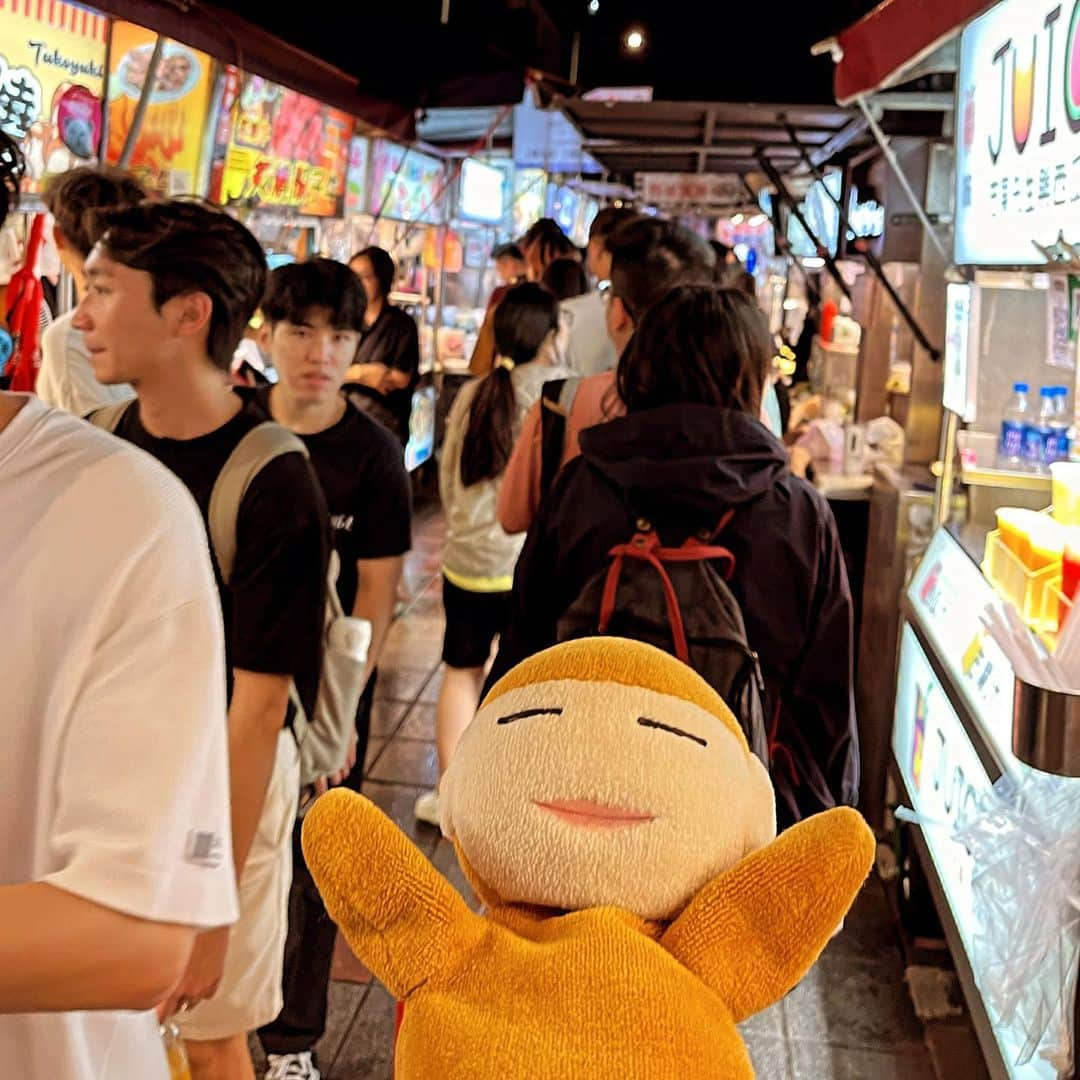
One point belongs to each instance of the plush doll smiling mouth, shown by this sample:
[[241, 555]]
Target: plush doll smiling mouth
[[592, 815]]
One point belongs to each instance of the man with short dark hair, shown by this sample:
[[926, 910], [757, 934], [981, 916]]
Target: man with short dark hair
[[76, 200], [649, 256], [314, 312], [386, 368], [170, 288]]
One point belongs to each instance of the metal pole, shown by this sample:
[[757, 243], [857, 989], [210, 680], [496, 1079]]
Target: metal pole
[[575, 58], [781, 189], [871, 259], [144, 103], [943, 493], [894, 163]]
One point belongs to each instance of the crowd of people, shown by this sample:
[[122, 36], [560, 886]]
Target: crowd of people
[[154, 787]]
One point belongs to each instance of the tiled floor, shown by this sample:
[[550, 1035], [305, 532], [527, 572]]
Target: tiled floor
[[851, 1019]]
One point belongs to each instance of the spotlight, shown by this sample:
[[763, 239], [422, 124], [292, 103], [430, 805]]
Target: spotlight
[[634, 40]]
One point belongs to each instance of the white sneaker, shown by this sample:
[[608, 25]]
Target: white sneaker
[[427, 808], [291, 1067]]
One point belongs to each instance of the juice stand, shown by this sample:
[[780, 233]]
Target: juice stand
[[980, 698]]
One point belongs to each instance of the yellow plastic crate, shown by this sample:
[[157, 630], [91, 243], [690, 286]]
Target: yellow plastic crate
[[1025, 588]]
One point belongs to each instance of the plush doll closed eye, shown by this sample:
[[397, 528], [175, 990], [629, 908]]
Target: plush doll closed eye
[[607, 811]]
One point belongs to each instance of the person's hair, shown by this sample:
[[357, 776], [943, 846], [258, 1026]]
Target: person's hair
[[78, 198], [187, 246], [649, 256], [553, 242], [720, 250], [565, 279], [295, 289], [12, 168], [609, 219], [508, 251], [526, 315], [382, 264], [698, 345]]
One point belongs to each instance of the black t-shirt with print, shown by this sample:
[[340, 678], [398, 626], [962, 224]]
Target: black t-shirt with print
[[392, 339], [275, 603], [358, 463]]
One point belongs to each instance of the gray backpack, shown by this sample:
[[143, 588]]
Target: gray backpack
[[322, 738]]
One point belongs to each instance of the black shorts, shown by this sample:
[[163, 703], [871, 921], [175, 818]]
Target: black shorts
[[473, 621]]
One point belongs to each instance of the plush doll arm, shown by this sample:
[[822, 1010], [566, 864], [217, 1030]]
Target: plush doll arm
[[401, 917], [753, 932]]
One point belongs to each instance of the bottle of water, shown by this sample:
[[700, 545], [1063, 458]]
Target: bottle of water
[[1060, 426], [1014, 423], [1039, 434]]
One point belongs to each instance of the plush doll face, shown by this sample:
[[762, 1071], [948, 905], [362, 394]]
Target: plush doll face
[[580, 792]]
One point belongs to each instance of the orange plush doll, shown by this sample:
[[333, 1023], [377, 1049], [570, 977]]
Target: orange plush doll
[[608, 812]]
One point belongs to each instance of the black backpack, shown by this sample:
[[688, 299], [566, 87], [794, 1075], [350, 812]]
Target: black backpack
[[678, 599]]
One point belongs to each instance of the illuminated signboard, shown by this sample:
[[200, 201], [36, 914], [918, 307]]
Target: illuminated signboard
[[1018, 133], [482, 193], [52, 75], [167, 152], [281, 149], [356, 180], [405, 184]]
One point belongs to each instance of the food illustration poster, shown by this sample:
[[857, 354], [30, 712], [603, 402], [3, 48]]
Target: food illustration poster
[[52, 75], [406, 185], [356, 187], [284, 150], [168, 149]]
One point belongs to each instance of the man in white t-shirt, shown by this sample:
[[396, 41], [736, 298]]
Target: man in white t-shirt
[[589, 350], [65, 378], [114, 808]]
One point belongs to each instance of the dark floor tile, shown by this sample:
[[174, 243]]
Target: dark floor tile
[[412, 652], [869, 932], [816, 1061], [430, 694], [374, 749], [954, 1050], [343, 1004], [855, 1004], [385, 714], [346, 966], [397, 801], [400, 683], [368, 1052], [407, 762], [419, 723], [769, 1056], [445, 860]]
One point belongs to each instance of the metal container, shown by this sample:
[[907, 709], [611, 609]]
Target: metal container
[[1046, 729]]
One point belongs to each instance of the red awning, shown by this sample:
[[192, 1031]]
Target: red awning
[[895, 35], [234, 40]]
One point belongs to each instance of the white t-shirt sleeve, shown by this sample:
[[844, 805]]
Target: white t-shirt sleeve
[[141, 822]]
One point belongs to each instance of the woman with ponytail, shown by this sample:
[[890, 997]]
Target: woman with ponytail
[[478, 568]]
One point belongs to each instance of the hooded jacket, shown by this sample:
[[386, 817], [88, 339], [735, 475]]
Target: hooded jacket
[[683, 467]]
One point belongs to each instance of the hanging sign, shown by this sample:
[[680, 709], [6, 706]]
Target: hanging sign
[[1018, 134], [702, 189], [52, 74], [168, 150], [280, 149]]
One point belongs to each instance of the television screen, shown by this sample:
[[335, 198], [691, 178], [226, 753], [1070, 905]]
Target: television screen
[[482, 192]]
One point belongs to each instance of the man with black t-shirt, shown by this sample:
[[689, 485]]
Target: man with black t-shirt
[[315, 312], [386, 367], [170, 288]]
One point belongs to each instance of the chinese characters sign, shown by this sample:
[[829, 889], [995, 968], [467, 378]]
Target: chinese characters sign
[[280, 149], [709, 189], [167, 151], [52, 72], [1018, 133]]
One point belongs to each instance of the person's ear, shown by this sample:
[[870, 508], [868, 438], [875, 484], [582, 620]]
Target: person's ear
[[59, 239], [189, 314], [620, 317]]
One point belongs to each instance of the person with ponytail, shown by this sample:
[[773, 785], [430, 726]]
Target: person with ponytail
[[478, 567]]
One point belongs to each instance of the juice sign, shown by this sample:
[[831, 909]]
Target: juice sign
[[1018, 133], [282, 149]]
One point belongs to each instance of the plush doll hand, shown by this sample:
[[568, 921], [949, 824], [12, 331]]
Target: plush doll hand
[[607, 810]]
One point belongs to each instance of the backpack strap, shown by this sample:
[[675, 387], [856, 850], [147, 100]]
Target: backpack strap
[[556, 400], [252, 454], [108, 417]]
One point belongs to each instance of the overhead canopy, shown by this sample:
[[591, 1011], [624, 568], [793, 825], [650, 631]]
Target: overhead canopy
[[234, 40], [881, 48], [709, 137]]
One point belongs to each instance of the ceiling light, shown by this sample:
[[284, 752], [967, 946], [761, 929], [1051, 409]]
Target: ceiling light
[[813, 263], [738, 219], [757, 221], [635, 39], [594, 6]]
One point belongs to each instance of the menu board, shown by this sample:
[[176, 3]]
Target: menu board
[[52, 75], [169, 147], [405, 184], [278, 148], [482, 194], [530, 198], [356, 178]]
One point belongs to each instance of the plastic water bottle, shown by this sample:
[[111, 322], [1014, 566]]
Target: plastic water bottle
[[1039, 434], [1060, 426], [1014, 423]]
